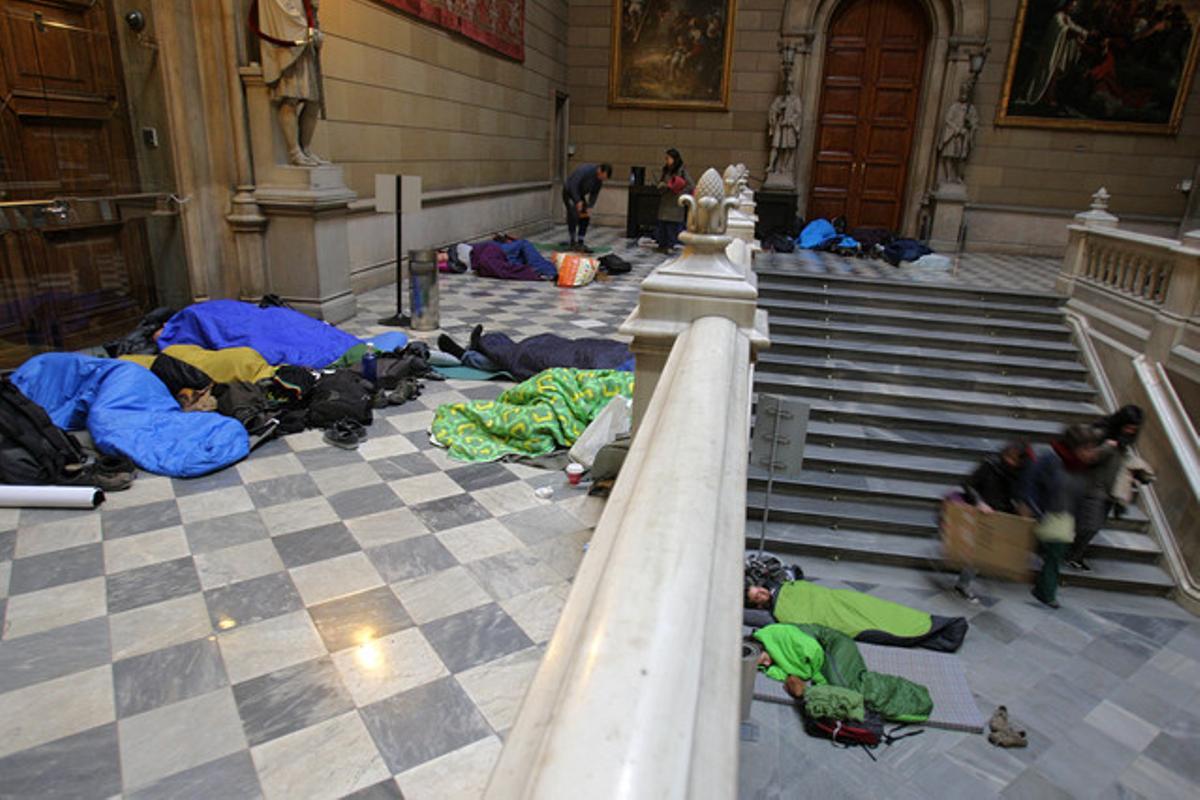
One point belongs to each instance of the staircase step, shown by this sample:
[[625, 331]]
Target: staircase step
[[899, 334], [923, 319], [1058, 365], [925, 552], [902, 440], [943, 377], [873, 503], [884, 286], [928, 398], [988, 426], [783, 288]]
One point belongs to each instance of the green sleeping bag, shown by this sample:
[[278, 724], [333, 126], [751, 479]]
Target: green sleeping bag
[[866, 618]]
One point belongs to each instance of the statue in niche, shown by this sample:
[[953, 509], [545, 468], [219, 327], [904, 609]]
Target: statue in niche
[[291, 44], [958, 136], [783, 127]]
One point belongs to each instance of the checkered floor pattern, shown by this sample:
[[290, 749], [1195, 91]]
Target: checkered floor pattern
[[315, 622]]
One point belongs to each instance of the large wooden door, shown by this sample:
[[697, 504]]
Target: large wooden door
[[73, 267], [874, 60]]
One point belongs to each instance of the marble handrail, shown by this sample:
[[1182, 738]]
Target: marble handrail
[[1162, 273], [637, 695]]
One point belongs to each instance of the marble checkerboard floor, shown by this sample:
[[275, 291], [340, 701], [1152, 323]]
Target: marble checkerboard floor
[[316, 622]]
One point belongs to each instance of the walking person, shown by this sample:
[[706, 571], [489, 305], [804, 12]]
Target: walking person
[[995, 485], [1117, 434], [673, 182], [579, 194], [1052, 490]]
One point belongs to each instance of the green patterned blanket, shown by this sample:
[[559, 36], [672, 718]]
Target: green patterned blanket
[[546, 412]]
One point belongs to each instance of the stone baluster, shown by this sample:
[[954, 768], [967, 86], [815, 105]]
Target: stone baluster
[[1077, 258], [701, 282], [741, 225]]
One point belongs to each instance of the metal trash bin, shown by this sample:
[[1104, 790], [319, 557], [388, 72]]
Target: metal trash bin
[[423, 289], [751, 650]]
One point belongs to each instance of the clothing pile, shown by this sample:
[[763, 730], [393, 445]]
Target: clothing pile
[[863, 242], [195, 391]]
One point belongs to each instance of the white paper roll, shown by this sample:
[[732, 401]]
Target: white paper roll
[[50, 496]]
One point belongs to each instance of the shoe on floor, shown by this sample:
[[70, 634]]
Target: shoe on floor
[[999, 720], [345, 434], [583, 248], [967, 594], [1008, 738], [1044, 601]]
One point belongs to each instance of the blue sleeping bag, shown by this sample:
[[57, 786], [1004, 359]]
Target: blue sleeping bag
[[280, 335], [817, 233], [130, 411]]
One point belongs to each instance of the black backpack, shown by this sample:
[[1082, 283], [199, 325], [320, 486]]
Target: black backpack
[[33, 450], [337, 396]]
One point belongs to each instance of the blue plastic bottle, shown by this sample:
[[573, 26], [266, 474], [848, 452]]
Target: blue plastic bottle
[[369, 364]]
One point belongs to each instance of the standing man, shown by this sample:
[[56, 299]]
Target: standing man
[[580, 193]]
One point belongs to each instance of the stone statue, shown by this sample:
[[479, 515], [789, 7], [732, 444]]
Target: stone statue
[[783, 126], [958, 136], [290, 45]]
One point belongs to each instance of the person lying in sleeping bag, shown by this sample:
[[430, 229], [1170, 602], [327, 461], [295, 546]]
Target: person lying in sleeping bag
[[856, 614], [825, 656]]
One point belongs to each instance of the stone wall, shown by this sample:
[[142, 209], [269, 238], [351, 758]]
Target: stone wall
[[405, 96], [1060, 169], [637, 137]]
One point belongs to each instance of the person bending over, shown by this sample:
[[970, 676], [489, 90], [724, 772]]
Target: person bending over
[[579, 194]]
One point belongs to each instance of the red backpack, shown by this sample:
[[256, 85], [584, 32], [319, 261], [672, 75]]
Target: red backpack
[[867, 734]]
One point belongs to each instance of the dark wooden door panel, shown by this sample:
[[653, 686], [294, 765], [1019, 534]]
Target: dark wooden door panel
[[874, 60], [74, 279]]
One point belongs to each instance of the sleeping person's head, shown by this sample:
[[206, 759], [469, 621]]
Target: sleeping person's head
[[758, 596]]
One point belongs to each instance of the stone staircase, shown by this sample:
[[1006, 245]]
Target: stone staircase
[[909, 386]]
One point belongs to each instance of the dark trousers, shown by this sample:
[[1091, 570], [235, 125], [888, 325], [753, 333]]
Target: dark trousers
[[1046, 583], [667, 233], [574, 221]]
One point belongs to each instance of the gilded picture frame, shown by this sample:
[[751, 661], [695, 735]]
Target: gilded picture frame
[[671, 54], [1093, 65]]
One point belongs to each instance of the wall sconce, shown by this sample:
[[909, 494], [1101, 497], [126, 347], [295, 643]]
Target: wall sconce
[[978, 59]]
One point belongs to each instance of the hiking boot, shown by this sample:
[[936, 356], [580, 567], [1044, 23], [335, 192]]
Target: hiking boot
[[999, 720], [1008, 738]]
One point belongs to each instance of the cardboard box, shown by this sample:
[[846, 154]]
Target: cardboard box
[[995, 544]]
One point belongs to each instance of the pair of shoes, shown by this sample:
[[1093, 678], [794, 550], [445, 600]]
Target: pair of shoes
[[1042, 600], [1079, 564], [1003, 733], [966, 594], [346, 434]]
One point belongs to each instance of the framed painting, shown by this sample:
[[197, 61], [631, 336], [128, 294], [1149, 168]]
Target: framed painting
[[1123, 66], [671, 54]]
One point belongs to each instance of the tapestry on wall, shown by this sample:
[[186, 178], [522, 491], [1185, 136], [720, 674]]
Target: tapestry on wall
[[496, 24], [671, 53], [1101, 65]]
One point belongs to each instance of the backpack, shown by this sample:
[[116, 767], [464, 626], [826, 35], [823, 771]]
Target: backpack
[[33, 450], [340, 395], [767, 570], [867, 734]]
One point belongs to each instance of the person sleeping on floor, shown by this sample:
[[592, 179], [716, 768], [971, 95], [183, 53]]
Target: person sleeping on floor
[[498, 352]]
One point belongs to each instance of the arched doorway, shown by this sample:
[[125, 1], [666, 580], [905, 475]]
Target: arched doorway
[[867, 114]]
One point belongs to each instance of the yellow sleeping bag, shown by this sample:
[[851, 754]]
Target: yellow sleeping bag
[[223, 366]]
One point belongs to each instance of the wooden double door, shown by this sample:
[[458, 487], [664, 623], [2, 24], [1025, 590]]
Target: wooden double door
[[73, 256], [870, 90]]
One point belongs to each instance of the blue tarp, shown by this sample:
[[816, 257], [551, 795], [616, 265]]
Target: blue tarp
[[280, 335], [131, 412]]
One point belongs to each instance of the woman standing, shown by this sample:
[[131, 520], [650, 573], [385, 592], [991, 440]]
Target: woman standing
[[673, 182]]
